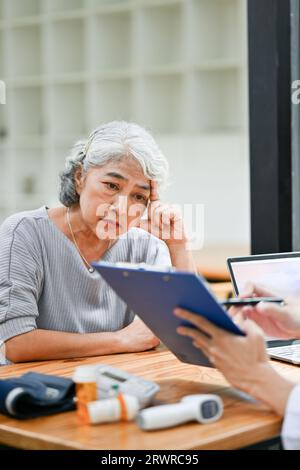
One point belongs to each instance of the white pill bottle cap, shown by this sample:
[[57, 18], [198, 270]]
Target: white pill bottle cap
[[85, 374]]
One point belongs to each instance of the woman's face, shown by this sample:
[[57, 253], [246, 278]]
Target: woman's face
[[113, 197]]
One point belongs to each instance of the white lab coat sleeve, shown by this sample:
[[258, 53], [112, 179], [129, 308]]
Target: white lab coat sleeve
[[291, 423]]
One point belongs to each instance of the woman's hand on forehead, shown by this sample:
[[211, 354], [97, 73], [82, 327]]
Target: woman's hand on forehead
[[154, 196], [164, 220]]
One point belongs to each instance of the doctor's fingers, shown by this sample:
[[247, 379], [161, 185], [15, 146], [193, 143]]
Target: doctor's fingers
[[194, 334], [199, 340], [199, 321]]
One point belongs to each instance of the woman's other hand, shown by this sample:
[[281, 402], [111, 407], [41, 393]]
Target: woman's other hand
[[136, 337]]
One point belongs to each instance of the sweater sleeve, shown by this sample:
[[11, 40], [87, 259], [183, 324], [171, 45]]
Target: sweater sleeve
[[159, 254], [21, 278]]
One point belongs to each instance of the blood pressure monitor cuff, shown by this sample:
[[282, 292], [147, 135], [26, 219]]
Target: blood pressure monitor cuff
[[33, 395]]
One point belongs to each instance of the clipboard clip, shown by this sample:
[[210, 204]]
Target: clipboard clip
[[145, 267]]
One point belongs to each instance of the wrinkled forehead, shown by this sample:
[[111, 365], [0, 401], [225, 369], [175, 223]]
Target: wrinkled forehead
[[127, 169]]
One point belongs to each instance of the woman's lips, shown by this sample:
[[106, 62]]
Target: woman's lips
[[113, 223]]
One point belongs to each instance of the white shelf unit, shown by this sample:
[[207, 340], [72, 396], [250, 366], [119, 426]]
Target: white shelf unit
[[113, 36], [66, 51], [217, 94], [21, 9], [162, 28], [163, 103], [25, 53], [221, 25], [67, 110], [27, 112], [114, 99], [177, 67], [55, 6], [27, 179]]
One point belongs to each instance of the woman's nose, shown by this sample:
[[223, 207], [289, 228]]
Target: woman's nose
[[119, 204]]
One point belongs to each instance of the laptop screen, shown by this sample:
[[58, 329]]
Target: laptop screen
[[280, 276]]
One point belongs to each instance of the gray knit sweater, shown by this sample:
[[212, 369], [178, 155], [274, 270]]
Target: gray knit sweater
[[45, 284]]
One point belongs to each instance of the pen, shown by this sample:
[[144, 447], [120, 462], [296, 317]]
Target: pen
[[250, 301]]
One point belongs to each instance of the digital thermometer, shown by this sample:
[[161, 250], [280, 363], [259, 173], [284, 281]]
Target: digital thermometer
[[202, 408]]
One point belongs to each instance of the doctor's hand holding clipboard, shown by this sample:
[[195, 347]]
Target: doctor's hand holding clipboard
[[243, 360]]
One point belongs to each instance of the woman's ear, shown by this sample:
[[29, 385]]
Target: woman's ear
[[79, 179]]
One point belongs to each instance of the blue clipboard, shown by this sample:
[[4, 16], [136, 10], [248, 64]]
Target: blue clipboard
[[153, 295]]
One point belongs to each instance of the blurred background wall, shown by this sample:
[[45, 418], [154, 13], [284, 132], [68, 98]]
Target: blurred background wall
[[178, 67]]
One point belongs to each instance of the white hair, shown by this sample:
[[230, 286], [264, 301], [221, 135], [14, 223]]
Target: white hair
[[113, 141]]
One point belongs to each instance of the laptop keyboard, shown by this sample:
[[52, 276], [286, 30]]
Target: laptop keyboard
[[290, 353]]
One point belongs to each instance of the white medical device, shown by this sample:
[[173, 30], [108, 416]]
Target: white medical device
[[111, 381], [202, 408]]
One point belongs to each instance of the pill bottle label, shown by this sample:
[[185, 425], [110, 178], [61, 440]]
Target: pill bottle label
[[86, 392], [82, 413]]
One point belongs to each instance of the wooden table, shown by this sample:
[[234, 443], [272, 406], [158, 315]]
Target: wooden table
[[244, 422]]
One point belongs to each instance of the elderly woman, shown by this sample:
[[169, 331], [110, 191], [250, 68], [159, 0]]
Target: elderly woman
[[53, 304]]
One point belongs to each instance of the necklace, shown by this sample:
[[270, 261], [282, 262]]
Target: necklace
[[90, 268]]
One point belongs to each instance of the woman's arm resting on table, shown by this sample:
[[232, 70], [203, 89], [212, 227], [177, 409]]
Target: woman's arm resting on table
[[39, 345]]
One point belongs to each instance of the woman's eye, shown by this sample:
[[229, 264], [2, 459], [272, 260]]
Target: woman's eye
[[112, 186], [141, 198]]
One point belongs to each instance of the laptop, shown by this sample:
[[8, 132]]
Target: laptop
[[279, 273]]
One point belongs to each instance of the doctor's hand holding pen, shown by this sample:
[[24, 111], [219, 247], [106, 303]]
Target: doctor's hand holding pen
[[280, 321]]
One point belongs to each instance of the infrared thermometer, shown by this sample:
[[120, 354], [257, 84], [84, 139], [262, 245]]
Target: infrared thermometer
[[202, 408]]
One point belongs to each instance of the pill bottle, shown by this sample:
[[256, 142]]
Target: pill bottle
[[85, 379], [121, 408]]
